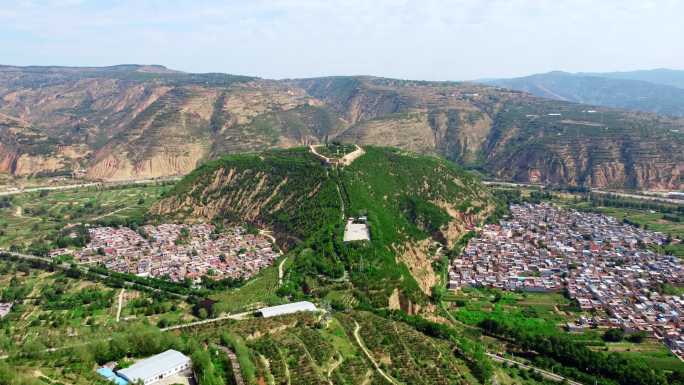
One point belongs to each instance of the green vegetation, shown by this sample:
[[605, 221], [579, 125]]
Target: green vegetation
[[606, 368], [335, 149], [258, 292], [400, 194], [53, 309], [41, 220], [235, 343]]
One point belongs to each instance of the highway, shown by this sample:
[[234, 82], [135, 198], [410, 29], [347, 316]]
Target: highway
[[88, 184]]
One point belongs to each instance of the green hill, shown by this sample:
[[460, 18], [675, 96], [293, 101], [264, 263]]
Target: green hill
[[414, 204]]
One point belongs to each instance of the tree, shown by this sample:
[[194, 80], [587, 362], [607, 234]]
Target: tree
[[613, 335], [637, 338]]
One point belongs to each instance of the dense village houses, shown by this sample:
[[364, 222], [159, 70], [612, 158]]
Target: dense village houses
[[177, 252], [605, 265]]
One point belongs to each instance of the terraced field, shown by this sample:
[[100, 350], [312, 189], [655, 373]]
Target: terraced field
[[34, 218]]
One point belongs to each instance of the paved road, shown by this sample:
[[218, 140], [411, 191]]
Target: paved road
[[595, 191], [640, 197], [88, 184], [238, 316], [548, 375]]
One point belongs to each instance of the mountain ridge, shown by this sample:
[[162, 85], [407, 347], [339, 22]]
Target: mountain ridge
[[659, 91], [124, 124]]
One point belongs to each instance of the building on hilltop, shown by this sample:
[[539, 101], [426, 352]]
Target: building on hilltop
[[356, 230], [156, 368]]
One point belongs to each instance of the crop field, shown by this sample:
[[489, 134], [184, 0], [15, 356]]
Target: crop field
[[312, 349], [406, 354], [37, 217], [545, 311], [53, 310], [653, 352]]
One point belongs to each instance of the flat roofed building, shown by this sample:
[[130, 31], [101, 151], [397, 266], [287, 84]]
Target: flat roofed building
[[356, 230], [288, 308], [156, 368]]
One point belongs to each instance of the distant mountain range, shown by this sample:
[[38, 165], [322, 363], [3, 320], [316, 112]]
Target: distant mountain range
[[132, 121], [660, 90]]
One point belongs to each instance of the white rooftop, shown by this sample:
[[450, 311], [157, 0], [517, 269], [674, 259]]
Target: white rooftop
[[287, 308], [356, 232], [153, 366]]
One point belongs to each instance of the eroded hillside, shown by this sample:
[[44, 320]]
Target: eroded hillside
[[417, 207], [131, 122]]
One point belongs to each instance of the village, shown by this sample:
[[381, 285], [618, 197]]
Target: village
[[178, 252], [602, 264]]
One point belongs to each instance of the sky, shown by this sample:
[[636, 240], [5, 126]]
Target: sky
[[426, 39]]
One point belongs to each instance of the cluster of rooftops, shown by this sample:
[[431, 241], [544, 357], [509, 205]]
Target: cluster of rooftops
[[603, 264], [179, 251]]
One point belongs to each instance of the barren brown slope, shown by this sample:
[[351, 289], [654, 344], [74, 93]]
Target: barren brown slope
[[128, 122]]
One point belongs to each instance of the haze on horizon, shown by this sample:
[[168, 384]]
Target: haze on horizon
[[428, 39]]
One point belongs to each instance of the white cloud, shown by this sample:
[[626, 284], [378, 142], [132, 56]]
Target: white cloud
[[427, 39]]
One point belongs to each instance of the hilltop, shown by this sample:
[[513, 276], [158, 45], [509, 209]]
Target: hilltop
[[131, 122]]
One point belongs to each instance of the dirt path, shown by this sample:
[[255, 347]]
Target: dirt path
[[89, 184], [344, 161], [110, 213], [352, 156], [267, 234], [335, 364], [342, 208], [237, 371], [370, 356], [118, 310], [281, 272]]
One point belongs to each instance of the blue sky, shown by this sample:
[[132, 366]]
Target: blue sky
[[428, 39]]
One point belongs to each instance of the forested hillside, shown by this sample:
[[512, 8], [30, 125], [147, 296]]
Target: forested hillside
[[414, 204]]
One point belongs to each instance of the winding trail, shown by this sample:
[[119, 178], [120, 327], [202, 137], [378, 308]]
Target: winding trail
[[370, 356]]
